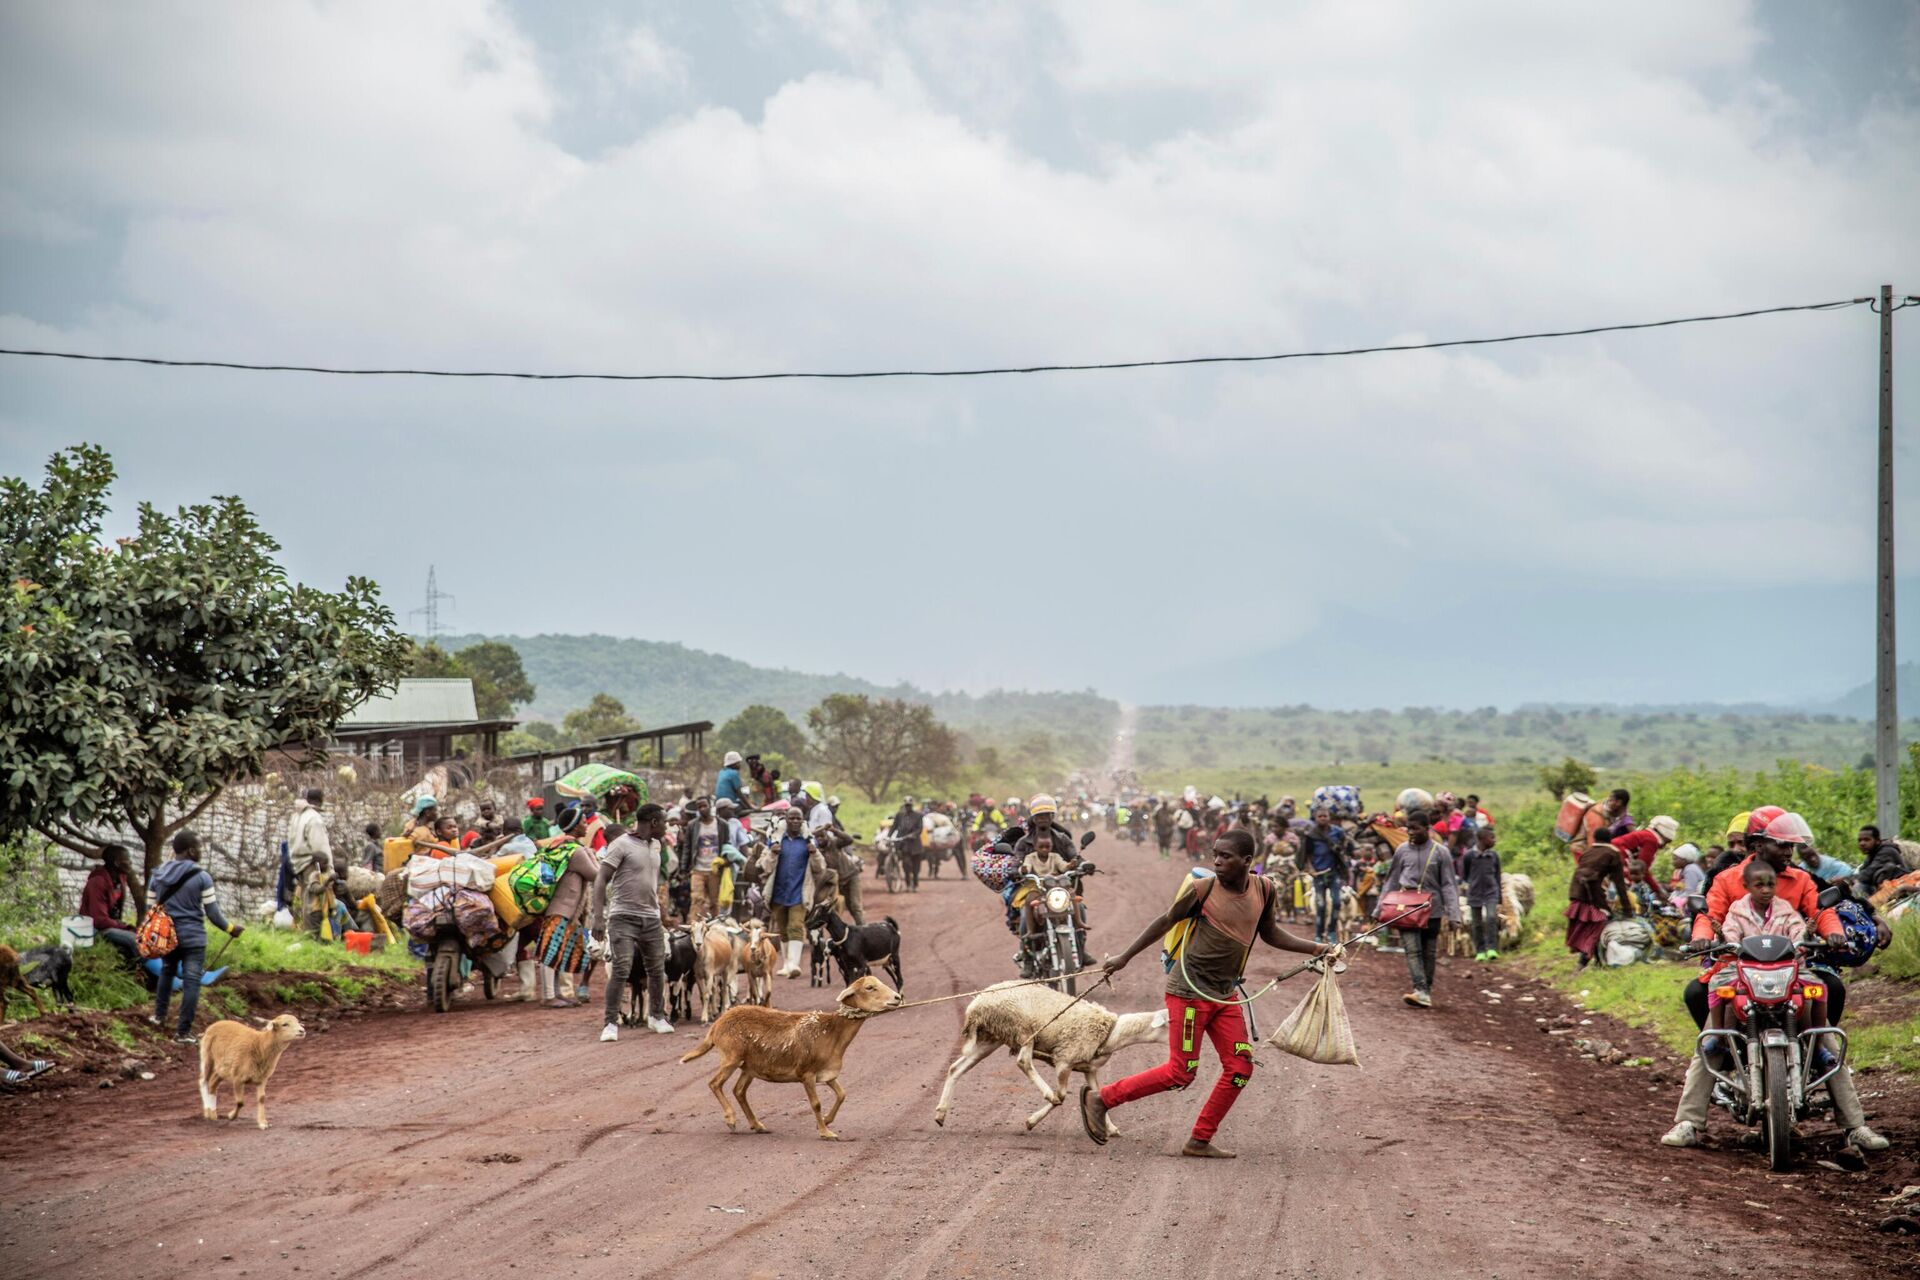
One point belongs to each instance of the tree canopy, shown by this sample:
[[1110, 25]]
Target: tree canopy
[[765, 731], [602, 717], [499, 681], [874, 743], [140, 677]]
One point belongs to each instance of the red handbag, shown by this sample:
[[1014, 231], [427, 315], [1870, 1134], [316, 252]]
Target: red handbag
[[1408, 908]]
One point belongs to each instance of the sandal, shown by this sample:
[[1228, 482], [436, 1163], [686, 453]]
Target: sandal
[[40, 1067], [559, 1003]]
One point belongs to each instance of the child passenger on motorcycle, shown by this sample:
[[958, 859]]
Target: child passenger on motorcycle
[[1761, 911], [1041, 860]]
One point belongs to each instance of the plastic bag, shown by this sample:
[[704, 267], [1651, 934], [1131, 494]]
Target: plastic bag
[[1317, 1029], [283, 919]]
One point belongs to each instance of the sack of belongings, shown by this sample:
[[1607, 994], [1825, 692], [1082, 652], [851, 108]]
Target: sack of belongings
[[1317, 1029], [1625, 942], [1341, 802], [429, 913], [994, 865]]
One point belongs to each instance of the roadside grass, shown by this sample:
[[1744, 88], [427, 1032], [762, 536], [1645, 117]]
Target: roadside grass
[[100, 981]]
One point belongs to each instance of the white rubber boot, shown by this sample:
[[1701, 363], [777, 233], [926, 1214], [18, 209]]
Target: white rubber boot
[[792, 969], [529, 981]]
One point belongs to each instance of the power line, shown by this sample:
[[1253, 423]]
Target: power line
[[929, 373]]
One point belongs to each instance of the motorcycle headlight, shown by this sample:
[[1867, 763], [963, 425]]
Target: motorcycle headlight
[[1767, 984], [1058, 900]]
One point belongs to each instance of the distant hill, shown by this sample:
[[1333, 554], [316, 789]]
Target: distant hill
[[663, 683], [1857, 703]]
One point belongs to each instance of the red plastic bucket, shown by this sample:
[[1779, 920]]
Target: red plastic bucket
[[360, 944]]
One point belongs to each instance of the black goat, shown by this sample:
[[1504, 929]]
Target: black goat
[[49, 967], [679, 982], [859, 947]]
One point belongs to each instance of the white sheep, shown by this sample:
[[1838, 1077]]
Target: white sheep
[[1082, 1039], [235, 1054]]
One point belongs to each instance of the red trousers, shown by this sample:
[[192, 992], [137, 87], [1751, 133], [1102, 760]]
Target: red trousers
[[1187, 1022]]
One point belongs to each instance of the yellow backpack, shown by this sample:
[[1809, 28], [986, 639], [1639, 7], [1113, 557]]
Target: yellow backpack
[[1176, 938]]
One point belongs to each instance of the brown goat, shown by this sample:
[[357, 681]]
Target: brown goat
[[715, 966], [790, 1048], [760, 958], [236, 1054], [11, 980]]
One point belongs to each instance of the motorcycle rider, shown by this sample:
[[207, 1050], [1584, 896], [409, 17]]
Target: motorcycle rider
[[1772, 835], [905, 835]]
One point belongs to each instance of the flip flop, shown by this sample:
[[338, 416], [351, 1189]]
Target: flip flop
[[1098, 1132], [40, 1067]]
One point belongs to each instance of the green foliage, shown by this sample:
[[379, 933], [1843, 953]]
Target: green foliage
[[873, 744], [602, 717], [138, 679], [1568, 776], [499, 681], [1612, 741], [1901, 959], [764, 731], [30, 895], [118, 1032]]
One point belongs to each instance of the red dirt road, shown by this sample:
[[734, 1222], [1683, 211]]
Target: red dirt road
[[503, 1141]]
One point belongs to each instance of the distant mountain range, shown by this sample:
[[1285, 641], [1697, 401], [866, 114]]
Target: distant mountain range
[[662, 683], [669, 683]]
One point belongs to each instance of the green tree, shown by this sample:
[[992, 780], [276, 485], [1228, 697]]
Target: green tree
[[430, 662], [500, 682], [602, 717], [873, 743], [140, 678], [1567, 776], [763, 730]]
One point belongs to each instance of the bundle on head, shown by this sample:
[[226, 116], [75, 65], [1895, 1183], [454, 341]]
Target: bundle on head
[[235, 1054], [1028, 1022], [790, 1048]]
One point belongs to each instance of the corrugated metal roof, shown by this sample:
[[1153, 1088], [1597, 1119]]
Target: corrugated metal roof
[[418, 701]]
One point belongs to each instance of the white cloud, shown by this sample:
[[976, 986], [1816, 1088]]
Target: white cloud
[[381, 183]]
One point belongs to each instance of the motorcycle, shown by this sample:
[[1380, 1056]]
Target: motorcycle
[[1050, 947], [449, 961], [1771, 1075]]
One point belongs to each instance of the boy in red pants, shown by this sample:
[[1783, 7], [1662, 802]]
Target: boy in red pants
[[1227, 912]]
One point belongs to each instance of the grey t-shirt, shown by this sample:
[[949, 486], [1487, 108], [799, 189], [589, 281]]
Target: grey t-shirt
[[634, 887]]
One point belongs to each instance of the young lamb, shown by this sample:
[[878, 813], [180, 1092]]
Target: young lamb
[[790, 1048], [760, 959], [713, 968], [1082, 1039], [235, 1054]]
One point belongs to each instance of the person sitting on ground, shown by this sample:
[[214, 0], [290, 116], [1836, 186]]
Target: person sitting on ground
[[20, 1070], [373, 848], [1880, 862], [106, 891], [1823, 867], [1691, 877]]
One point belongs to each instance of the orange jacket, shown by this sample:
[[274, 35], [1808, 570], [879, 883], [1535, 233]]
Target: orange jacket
[[1795, 888]]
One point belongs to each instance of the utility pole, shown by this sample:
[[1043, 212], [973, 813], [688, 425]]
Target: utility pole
[[431, 609], [1886, 727]]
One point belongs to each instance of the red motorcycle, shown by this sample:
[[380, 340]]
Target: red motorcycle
[[1772, 1071]]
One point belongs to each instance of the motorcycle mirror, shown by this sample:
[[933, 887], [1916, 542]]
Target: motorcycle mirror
[[1696, 905], [1833, 895], [1086, 838]]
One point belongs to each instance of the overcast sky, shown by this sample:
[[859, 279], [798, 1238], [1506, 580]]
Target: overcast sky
[[694, 187]]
